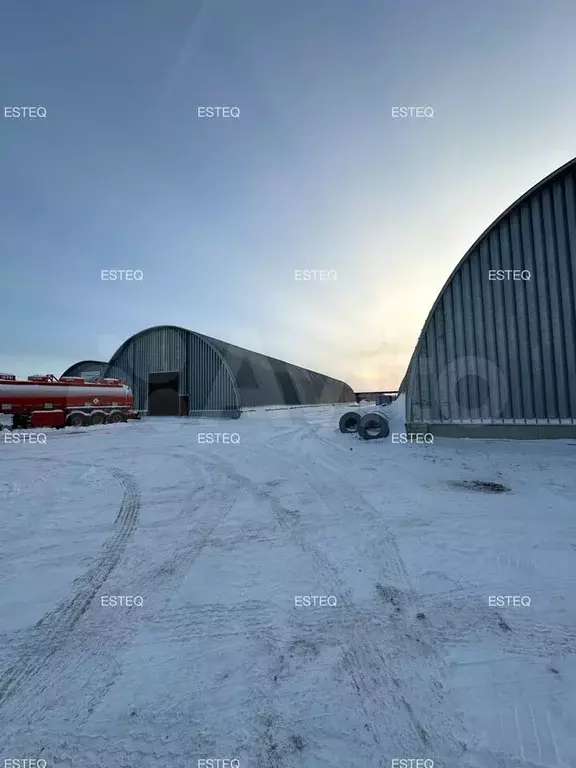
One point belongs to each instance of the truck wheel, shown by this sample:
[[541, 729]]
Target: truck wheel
[[98, 417], [75, 420], [116, 417], [19, 421]]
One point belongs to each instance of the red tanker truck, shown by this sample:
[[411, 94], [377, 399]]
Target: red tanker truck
[[45, 401]]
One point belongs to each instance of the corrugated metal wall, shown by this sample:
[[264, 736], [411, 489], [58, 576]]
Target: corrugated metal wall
[[85, 366], [264, 380], [204, 375], [504, 351], [218, 376]]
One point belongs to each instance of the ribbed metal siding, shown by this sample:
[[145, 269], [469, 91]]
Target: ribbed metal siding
[[311, 388], [505, 351], [85, 365], [212, 386], [208, 369], [204, 376], [267, 390]]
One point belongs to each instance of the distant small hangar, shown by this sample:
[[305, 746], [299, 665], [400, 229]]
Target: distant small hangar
[[87, 369], [173, 371]]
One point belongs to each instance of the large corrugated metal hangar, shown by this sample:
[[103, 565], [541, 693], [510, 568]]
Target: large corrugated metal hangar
[[175, 371], [86, 369], [497, 354]]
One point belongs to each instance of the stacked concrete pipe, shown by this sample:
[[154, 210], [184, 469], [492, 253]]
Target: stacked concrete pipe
[[370, 423]]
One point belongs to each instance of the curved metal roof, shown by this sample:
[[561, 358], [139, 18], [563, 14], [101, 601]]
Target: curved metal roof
[[552, 177], [86, 364], [227, 352], [143, 332]]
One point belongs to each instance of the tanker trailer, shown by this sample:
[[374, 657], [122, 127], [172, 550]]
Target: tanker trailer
[[45, 401]]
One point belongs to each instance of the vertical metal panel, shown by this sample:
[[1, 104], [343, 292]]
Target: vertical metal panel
[[479, 321], [568, 265], [505, 351], [533, 321], [203, 375], [542, 292], [506, 292], [274, 377], [85, 365], [521, 328], [447, 377], [553, 293], [208, 369]]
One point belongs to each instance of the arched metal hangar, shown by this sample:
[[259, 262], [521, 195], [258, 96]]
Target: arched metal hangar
[[172, 371], [86, 369], [497, 354]]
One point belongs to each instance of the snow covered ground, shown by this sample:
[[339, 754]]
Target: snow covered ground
[[218, 539]]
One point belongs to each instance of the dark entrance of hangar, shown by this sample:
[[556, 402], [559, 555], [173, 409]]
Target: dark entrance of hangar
[[163, 398]]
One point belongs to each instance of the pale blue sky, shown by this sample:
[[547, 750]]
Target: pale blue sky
[[314, 174]]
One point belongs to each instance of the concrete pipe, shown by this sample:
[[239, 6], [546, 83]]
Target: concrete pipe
[[373, 426], [350, 420]]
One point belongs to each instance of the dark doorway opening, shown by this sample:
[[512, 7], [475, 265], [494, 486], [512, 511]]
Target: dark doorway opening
[[163, 398]]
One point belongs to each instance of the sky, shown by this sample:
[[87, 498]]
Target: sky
[[315, 172]]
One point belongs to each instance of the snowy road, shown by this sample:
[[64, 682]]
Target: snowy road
[[218, 539]]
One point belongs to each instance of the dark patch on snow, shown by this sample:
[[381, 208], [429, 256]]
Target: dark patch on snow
[[297, 743], [503, 625], [422, 732], [390, 595], [303, 648], [480, 485], [168, 569], [272, 756]]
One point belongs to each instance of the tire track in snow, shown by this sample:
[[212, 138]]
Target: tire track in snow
[[205, 508], [366, 656], [334, 483], [378, 690], [527, 639], [56, 627]]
